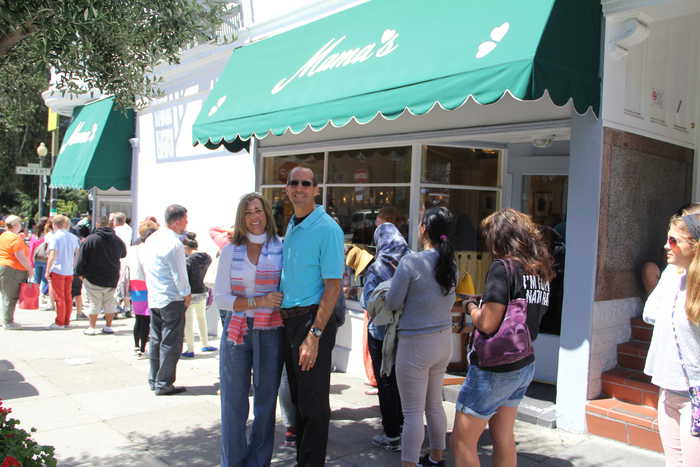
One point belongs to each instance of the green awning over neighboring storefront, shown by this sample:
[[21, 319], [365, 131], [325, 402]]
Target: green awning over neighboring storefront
[[387, 56], [96, 150]]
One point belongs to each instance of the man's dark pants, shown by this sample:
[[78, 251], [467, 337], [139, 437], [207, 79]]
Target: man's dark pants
[[389, 399], [167, 334], [310, 389]]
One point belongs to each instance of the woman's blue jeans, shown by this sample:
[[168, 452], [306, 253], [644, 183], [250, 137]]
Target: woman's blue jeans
[[262, 353], [39, 278]]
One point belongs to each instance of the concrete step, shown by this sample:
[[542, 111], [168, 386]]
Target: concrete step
[[625, 422], [641, 331], [630, 386], [537, 407]]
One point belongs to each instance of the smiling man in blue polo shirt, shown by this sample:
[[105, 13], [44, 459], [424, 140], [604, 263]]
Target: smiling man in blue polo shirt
[[311, 275]]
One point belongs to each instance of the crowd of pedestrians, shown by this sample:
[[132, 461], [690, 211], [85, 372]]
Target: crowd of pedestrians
[[281, 304]]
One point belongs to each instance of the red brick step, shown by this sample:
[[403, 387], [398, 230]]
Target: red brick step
[[625, 422], [641, 331], [632, 355], [630, 386]]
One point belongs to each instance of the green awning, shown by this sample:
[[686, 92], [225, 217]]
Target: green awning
[[387, 56], [96, 150]]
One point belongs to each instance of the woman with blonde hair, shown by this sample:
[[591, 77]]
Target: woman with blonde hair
[[247, 289], [502, 368], [673, 361], [14, 269]]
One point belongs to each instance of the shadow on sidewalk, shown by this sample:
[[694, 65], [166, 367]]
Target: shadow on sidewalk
[[525, 458], [197, 447], [13, 384]]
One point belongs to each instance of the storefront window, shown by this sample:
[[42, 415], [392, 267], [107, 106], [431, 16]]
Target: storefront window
[[460, 166], [282, 209], [544, 198], [276, 169], [384, 165], [356, 209], [468, 208]]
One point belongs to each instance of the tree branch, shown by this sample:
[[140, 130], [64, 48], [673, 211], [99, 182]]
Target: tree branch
[[10, 40]]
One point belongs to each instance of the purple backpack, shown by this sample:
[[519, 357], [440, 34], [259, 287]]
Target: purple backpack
[[512, 341]]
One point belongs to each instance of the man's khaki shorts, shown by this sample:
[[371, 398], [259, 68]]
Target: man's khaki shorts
[[100, 298]]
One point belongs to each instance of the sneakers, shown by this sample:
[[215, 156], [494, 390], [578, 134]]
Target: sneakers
[[55, 326], [187, 354], [107, 330], [12, 326], [209, 348], [290, 437], [425, 461], [390, 444], [91, 332]]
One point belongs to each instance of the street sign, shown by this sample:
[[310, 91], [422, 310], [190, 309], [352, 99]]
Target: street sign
[[32, 171]]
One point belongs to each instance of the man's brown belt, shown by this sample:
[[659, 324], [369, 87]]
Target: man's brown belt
[[297, 311]]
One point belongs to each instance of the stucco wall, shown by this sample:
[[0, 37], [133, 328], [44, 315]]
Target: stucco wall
[[644, 182]]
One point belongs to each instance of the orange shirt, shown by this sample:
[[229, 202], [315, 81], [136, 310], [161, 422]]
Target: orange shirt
[[11, 243]]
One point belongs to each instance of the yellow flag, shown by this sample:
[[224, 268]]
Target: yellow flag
[[53, 121]]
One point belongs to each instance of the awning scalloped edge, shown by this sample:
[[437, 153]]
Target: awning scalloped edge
[[407, 110]]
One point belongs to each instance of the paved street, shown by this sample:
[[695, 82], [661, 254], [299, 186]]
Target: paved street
[[87, 396]]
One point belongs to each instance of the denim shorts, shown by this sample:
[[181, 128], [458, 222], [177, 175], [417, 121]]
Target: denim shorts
[[483, 392]]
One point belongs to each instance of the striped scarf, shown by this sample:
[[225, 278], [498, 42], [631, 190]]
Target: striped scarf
[[267, 279]]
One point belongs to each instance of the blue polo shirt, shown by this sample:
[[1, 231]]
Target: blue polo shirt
[[312, 252]]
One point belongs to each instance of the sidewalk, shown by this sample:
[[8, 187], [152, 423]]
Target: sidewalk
[[88, 397]]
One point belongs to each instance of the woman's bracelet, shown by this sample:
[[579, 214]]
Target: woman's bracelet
[[252, 303]]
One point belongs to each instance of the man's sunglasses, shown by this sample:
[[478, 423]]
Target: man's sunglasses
[[304, 183]]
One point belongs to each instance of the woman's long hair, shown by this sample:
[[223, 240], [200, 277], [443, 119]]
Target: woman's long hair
[[438, 223], [692, 299], [240, 234], [39, 227], [511, 234]]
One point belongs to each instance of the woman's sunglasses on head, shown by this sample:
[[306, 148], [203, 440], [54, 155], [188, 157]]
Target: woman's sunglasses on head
[[304, 183]]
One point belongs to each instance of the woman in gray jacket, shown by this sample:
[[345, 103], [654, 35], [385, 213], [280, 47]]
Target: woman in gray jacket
[[423, 286], [673, 361]]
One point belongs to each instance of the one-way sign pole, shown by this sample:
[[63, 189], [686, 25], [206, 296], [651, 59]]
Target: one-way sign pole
[[32, 171], [35, 170]]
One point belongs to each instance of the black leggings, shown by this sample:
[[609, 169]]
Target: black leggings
[[141, 330]]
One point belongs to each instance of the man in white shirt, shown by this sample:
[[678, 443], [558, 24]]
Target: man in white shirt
[[168, 298], [121, 292], [122, 229]]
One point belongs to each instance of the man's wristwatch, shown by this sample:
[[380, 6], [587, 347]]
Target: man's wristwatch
[[316, 332]]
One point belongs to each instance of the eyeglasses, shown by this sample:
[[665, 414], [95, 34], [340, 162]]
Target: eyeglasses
[[672, 242], [304, 183]]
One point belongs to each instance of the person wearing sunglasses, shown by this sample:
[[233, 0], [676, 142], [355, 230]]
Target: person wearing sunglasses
[[673, 361], [313, 266]]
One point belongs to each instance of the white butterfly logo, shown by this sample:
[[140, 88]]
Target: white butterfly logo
[[215, 108], [497, 35]]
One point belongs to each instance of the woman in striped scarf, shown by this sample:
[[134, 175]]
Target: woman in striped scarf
[[247, 288]]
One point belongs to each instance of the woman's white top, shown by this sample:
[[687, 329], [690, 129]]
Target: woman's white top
[[663, 363]]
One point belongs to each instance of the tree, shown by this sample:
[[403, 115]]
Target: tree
[[108, 45]]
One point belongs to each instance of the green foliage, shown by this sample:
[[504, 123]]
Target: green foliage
[[17, 448], [94, 44], [108, 45]]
